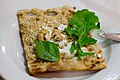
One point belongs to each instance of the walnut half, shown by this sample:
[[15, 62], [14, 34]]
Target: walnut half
[[57, 35], [43, 35]]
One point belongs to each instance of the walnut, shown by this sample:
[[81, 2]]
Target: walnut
[[43, 35], [57, 35]]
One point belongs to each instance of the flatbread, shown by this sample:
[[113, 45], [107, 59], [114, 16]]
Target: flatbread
[[31, 22]]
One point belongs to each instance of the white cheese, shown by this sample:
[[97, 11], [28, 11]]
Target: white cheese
[[55, 20], [44, 27], [62, 43], [66, 49], [99, 55], [47, 36], [61, 27], [50, 33], [48, 29], [84, 49]]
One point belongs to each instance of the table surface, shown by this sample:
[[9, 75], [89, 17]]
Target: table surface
[[109, 8]]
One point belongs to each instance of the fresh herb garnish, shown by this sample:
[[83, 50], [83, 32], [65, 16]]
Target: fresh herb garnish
[[79, 27], [80, 24], [47, 50], [72, 47]]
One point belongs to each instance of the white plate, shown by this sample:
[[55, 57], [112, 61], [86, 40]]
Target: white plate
[[12, 61]]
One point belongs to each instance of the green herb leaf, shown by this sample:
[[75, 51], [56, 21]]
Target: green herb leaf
[[87, 41], [47, 50], [83, 54], [80, 24], [72, 48]]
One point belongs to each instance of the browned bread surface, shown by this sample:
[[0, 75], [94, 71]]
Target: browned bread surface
[[31, 21]]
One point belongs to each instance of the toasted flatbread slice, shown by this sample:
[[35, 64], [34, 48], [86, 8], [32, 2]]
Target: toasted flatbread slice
[[34, 21]]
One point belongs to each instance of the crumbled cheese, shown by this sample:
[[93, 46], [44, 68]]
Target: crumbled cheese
[[99, 55], [61, 27], [66, 49], [62, 43], [50, 33], [55, 20], [84, 49], [49, 29], [47, 35], [63, 36], [44, 27]]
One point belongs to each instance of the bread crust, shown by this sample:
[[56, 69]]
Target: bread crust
[[31, 21]]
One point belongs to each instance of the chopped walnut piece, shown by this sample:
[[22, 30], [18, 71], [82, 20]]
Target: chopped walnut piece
[[43, 35], [57, 35]]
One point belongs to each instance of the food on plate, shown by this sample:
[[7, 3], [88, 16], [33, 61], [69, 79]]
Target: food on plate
[[59, 39]]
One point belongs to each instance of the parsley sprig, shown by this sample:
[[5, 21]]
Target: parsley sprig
[[80, 24]]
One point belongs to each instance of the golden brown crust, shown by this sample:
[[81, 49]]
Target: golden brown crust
[[31, 21]]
